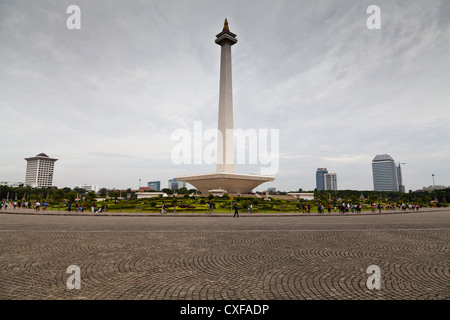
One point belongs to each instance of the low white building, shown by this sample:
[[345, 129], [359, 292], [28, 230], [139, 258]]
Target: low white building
[[88, 187], [11, 184], [146, 195], [302, 195]]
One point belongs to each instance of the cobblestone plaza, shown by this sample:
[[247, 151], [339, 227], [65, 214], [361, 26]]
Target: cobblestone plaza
[[208, 257]]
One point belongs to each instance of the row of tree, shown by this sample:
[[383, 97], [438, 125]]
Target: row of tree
[[28, 193]]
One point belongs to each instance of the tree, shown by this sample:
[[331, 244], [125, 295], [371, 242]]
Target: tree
[[373, 197], [80, 190], [91, 196], [103, 192], [58, 195], [183, 190], [71, 196]]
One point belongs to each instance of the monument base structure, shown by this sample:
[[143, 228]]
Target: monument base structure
[[227, 181]]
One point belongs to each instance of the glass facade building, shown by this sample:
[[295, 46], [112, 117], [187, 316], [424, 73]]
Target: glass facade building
[[154, 185], [320, 182], [386, 175]]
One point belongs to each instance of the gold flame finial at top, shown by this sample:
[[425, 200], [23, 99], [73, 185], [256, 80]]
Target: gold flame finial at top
[[225, 26]]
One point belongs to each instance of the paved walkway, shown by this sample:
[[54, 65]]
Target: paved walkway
[[217, 257]]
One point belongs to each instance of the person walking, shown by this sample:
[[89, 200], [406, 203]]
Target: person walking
[[236, 210], [209, 208]]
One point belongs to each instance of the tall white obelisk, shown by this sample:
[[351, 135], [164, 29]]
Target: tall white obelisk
[[225, 141], [225, 179]]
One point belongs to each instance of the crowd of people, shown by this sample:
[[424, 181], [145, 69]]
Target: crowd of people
[[356, 208], [78, 207], [24, 205], [302, 207]]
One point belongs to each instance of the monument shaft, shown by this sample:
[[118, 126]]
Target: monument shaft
[[225, 141]]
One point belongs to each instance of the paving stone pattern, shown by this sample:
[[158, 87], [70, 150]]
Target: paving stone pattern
[[218, 258]]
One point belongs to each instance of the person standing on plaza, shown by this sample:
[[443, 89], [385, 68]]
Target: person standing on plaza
[[209, 208], [236, 210]]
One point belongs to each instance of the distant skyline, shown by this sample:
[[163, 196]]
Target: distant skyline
[[105, 99]]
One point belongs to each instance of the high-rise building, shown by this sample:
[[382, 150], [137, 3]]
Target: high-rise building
[[330, 181], [40, 171], [386, 175], [320, 185], [401, 187], [176, 184], [154, 185]]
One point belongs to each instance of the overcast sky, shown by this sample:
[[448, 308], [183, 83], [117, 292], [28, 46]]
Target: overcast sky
[[105, 99]]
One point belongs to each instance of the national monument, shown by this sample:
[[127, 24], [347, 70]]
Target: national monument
[[225, 179]]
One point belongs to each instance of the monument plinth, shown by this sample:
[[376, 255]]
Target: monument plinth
[[225, 177]]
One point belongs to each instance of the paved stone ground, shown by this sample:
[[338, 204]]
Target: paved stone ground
[[263, 257]]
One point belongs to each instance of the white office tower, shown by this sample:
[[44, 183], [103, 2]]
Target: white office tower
[[40, 171], [330, 181]]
